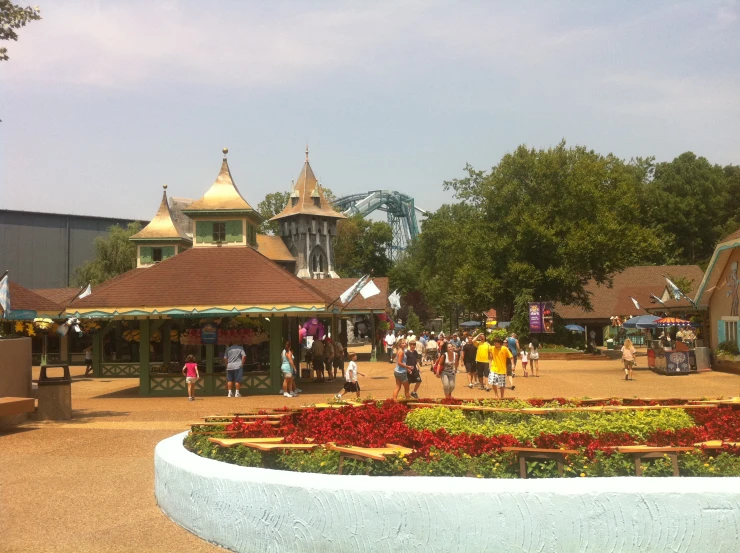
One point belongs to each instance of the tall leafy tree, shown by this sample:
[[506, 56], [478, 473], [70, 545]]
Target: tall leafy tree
[[362, 247], [12, 18], [541, 221], [273, 204], [114, 255], [689, 201]]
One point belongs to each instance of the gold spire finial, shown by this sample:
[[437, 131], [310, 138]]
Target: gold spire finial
[[306, 150], [164, 186], [225, 151]]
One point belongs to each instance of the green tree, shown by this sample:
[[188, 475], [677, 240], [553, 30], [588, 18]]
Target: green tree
[[14, 17], [688, 200], [114, 255], [542, 221], [412, 321], [362, 247], [273, 204]]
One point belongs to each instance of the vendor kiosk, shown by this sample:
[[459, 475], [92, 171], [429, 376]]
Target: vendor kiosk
[[670, 358]]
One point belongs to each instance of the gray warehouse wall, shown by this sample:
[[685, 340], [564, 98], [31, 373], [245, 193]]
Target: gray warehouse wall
[[42, 250]]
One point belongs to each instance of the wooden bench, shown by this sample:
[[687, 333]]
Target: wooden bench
[[525, 454], [231, 442], [230, 418], [227, 423], [367, 453], [716, 444], [11, 406], [642, 452]]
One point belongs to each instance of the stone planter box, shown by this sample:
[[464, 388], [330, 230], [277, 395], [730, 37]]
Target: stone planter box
[[260, 510]]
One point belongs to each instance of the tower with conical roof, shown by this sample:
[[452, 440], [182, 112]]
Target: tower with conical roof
[[161, 238], [222, 217], [308, 226]]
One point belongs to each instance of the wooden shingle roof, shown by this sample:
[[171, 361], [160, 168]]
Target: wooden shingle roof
[[23, 299], [334, 287], [205, 278], [638, 282]]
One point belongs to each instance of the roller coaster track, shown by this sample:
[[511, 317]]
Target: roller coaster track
[[401, 212]]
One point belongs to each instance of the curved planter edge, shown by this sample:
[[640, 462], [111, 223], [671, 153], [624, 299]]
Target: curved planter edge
[[261, 510]]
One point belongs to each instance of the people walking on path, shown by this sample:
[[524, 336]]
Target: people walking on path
[[469, 352], [401, 371], [190, 371], [628, 356], [483, 361], [287, 368], [525, 359], [500, 355], [512, 343], [412, 359], [534, 357], [389, 341], [234, 358], [350, 377], [450, 360]]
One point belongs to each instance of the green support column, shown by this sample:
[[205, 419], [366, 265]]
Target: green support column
[[276, 346], [373, 354], [210, 383], [166, 344], [144, 357], [97, 352]]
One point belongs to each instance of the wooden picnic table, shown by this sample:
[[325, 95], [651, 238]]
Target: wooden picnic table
[[367, 453], [643, 452], [525, 454]]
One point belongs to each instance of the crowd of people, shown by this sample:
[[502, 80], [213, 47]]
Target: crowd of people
[[487, 366]]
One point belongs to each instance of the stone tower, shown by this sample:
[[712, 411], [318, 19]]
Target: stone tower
[[308, 226]]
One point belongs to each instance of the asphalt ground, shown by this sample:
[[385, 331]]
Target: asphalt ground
[[86, 485]]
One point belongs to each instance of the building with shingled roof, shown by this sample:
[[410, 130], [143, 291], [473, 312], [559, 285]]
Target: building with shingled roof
[[193, 294]]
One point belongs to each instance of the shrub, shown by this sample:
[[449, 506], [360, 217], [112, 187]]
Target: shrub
[[728, 347], [526, 428]]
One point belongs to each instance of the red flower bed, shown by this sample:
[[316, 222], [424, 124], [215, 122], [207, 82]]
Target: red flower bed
[[374, 425]]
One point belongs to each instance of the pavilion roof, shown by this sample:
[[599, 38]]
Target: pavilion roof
[[23, 299], [307, 189], [216, 280], [334, 287], [273, 248], [638, 282], [223, 195], [61, 296], [162, 227]]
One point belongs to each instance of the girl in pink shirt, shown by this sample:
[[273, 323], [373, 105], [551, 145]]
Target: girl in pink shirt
[[190, 371]]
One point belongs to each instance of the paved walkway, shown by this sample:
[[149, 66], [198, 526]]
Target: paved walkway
[[86, 485]]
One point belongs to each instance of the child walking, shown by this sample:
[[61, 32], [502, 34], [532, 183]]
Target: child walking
[[190, 371], [525, 360], [350, 376], [628, 356]]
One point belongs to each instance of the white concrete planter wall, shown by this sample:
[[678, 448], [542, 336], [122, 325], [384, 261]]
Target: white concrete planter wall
[[260, 510]]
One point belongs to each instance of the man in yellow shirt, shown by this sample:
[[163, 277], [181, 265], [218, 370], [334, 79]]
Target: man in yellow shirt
[[482, 361], [499, 354]]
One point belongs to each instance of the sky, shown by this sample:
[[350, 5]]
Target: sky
[[104, 101]]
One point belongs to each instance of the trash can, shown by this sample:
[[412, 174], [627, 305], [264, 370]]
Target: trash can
[[54, 394], [610, 344]]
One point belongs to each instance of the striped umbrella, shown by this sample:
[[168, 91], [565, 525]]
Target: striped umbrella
[[671, 321]]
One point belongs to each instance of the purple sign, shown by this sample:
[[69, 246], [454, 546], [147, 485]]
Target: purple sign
[[535, 317]]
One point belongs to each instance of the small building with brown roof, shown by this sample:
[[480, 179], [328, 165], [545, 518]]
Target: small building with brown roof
[[232, 286], [718, 293], [610, 304]]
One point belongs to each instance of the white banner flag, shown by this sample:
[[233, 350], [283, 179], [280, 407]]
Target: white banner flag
[[86, 293], [5, 295], [349, 294], [369, 290], [635, 302]]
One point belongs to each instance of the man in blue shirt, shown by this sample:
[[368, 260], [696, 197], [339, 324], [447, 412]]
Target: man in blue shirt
[[513, 344]]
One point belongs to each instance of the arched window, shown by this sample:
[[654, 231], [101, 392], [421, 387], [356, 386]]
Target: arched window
[[318, 263]]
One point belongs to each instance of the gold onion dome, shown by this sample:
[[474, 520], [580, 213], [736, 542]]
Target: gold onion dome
[[161, 226]]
